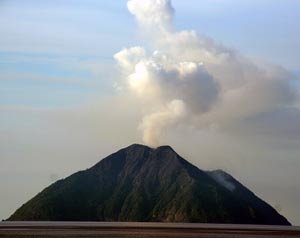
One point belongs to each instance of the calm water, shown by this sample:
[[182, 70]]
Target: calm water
[[143, 230]]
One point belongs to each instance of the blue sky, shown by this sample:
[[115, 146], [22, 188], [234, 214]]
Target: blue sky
[[57, 92], [39, 38]]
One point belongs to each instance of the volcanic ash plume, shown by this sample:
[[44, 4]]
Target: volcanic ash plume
[[190, 80]]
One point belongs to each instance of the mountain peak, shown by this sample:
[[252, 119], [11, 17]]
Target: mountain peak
[[137, 146], [165, 147], [143, 152]]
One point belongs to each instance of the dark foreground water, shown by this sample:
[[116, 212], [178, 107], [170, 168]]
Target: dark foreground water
[[142, 230]]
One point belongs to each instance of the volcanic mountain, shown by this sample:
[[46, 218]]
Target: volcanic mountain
[[139, 183]]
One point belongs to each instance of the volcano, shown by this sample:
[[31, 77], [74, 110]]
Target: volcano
[[139, 183]]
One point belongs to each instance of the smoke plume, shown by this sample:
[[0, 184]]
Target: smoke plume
[[187, 79]]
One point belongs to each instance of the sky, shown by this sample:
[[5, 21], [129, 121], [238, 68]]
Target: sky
[[217, 80]]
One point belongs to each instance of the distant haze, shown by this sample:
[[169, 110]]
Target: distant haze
[[78, 83]]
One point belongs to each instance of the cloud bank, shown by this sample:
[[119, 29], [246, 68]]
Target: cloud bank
[[188, 79]]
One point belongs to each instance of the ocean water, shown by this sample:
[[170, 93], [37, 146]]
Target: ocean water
[[141, 230]]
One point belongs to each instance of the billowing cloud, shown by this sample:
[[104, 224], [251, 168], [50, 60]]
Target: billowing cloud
[[215, 86], [152, 13]]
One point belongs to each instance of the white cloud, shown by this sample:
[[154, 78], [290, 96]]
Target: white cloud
[[152, 13]]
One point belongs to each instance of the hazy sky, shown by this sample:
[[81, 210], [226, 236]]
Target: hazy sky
[[226, 95]]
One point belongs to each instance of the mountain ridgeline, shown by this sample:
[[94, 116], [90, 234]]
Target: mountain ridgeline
[[139, 183]]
